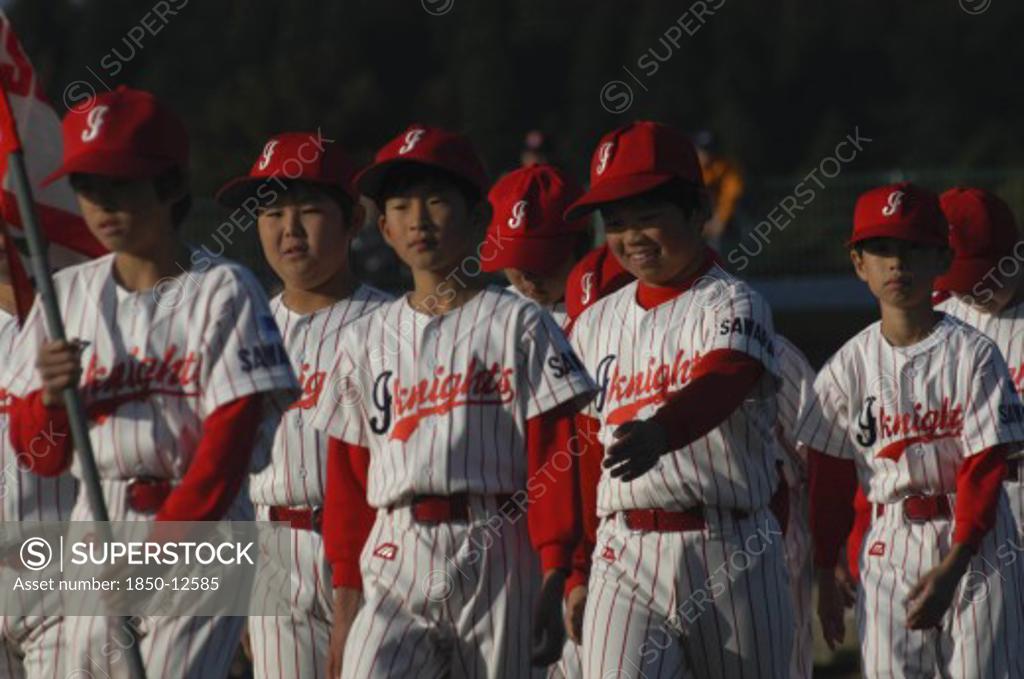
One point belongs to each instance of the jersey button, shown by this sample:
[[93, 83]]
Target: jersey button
[[302, 472]]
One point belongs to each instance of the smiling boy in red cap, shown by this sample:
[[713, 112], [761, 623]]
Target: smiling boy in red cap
[[684, 360], [919, 408], [530, 239], [307, 215], [451, 418], [175, 440]]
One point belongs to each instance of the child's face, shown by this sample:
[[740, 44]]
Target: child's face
[[900, 273], [305, 238], [430, 227], [654, 240], [542, 289], [123, 214]]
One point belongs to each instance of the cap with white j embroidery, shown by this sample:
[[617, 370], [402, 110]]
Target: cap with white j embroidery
[[903, 211], [528, 230], [293, 156], [125, 133], [635, 159], [424, 145]]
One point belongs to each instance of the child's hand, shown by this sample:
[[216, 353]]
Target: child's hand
[[830, 608], [930, 598], [638, 446], [60, 366]]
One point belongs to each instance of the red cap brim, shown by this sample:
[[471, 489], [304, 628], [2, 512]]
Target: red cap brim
[[886, 231], [611, 190], [368, 181], [540, 256], [110, 164], [965, 274], [235, 191]]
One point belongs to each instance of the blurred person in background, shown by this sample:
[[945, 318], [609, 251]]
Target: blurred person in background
[[724, 181]]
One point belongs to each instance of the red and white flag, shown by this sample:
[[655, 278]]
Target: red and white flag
[[29, 123]]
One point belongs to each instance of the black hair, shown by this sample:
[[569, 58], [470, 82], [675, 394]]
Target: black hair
[[584, 243], [690, 199], [403, 176], [170, 182], [299, 190], [860, 246]]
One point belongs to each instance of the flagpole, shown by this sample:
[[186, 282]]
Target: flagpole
[[37, 247]]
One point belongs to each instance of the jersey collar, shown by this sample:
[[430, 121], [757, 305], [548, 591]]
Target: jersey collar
[[650, 296]]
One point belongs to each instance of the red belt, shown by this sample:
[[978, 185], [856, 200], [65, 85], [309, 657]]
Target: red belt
[[300, 519], [664, 521], [147, 495], [919, 508], [452, 508]]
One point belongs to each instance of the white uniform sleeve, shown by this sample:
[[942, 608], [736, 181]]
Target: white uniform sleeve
[[577, 341], [993, 412], [825, 423], [550, 372], [20, 376], [796, 389], [243, 351], [737, 318], [339, 411]]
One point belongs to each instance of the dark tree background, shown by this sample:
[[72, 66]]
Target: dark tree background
[[780, 81]]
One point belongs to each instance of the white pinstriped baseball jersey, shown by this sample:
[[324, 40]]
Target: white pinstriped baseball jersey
[[297, 470], [639, 356], [442, 401], [1006, 329], [796, 391], [25, 496], [557, 310], [909, 415], [159, 361]]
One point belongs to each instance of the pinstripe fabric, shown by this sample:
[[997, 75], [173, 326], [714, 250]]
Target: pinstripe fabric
[[163, 359], [297, 645], [639, 356], [712, 602], [442, 401], [796, 390], [908, 416], [442, 404], [32, 644], [451, 601], [1006, 329]]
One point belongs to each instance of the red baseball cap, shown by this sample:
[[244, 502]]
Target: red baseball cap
[[904, 211], [598, 274], [635, 159], [430, 146], [982, 230], [126, 133], [527, 229], [302, 156]]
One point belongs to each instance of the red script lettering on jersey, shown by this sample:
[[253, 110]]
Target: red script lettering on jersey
[[649, 386]]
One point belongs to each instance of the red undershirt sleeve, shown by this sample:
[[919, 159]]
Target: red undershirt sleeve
[[832, 487], [40, 436], [719, 383], [348, 517], [978, 482], [591, 453], [220, 464], [553, 494]]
